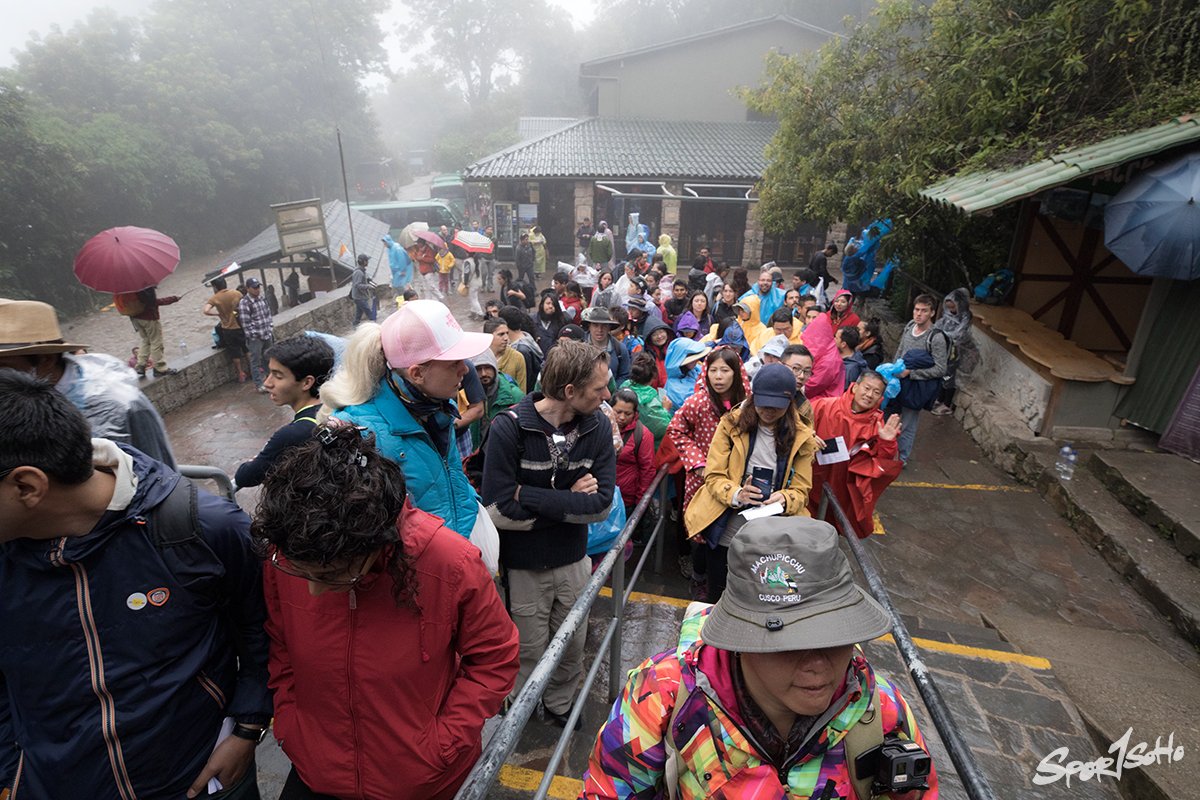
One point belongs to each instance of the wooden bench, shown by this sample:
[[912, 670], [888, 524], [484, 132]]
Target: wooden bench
[[1048, 348]]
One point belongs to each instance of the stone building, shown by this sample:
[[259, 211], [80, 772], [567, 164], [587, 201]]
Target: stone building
[[670, 139]]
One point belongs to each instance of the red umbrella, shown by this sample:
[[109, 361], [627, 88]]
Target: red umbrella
[[473, 242], [126, 259]]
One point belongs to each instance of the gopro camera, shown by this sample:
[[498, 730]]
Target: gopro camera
[[898, 765], [762, 477]]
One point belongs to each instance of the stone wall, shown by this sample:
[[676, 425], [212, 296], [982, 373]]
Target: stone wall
[[1016, 386], [202, 372]]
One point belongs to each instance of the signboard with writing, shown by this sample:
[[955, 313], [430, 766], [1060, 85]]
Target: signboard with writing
[[300, 225]]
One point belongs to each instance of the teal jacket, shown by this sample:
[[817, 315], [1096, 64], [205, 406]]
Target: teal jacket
[[435, 484]]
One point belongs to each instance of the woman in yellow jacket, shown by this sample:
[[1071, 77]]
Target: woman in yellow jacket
[[763, 441]]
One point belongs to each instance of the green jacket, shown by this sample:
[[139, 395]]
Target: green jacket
[[650, 410], [508, 394]]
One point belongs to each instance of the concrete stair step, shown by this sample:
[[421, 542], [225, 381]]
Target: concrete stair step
[[1150, 564], [1160, 489], [1118, 680], [944, 630]]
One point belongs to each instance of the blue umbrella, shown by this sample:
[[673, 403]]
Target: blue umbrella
[[1153, 224]]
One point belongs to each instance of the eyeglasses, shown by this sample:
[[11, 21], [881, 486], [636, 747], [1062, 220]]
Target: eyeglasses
[[803, 372], [327, 581]]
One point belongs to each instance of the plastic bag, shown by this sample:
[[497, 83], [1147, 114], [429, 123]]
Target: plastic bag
[[485, 536], [602, 534], [890, 372]]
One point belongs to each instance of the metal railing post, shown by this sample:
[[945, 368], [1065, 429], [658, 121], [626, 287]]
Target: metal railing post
[[479, 782], [663, 488], [217, 476], [969, 772], [618, 616]]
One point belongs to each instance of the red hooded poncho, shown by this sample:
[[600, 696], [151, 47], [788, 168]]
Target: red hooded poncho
[[859, 482], [829, 374]]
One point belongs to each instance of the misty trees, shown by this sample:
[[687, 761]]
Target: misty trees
[[191, 122], [930, 89]]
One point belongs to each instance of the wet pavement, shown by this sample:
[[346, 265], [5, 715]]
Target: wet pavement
[[964, 545]]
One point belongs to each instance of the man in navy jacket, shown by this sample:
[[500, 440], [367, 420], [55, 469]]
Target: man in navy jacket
[[549, 470], [129, 634]]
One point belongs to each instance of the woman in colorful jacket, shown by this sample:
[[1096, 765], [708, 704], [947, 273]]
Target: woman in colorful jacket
[[767, 694], [400, 381], [390, 646], [764, 433]]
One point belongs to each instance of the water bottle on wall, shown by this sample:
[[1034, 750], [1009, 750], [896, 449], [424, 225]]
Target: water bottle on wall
[[183, 347], [1072, 457], [1064, 459]]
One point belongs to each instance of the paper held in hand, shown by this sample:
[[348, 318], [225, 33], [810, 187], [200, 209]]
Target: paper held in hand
[[771, 510]]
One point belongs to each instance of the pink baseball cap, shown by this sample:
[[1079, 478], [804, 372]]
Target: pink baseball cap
[[425, 330]]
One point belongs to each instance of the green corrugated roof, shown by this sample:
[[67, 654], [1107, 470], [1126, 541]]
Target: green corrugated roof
[[982, 191]]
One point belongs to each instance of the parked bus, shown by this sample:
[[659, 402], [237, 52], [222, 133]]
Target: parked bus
[[399, 213]]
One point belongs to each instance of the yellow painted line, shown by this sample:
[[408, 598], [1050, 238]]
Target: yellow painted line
[[1033, 662], [643, 597], [975, 487], [528, 780]]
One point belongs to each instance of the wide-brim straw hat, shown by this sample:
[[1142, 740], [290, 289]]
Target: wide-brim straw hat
[[30, 328]]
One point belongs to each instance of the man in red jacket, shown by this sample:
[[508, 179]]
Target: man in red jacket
[[390, 646], [860, 457]]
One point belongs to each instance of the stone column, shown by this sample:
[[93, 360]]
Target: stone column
[[584, 200], [752, 246], [670, 220]]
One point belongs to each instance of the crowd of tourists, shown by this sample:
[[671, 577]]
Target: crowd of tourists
[[430, 515]]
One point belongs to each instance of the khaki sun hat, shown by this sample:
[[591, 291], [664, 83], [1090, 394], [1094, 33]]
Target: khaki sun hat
[[790, 588], [29, 328]]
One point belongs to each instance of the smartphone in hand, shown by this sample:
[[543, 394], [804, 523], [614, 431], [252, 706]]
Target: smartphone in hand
[[763, 478]]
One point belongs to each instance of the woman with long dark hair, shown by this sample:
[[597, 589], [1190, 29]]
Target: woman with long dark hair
[[761, 454], [691, 431], [549, 322], [390, 646], [870, 342]]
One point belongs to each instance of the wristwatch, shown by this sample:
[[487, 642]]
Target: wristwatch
[[249, 733]]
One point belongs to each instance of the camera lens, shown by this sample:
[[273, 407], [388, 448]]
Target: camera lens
[[920, 767]]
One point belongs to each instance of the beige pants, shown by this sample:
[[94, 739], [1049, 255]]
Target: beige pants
[[151, 352], [539, 600]]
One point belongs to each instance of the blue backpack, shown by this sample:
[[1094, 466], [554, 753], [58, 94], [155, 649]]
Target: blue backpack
[[995, 288]]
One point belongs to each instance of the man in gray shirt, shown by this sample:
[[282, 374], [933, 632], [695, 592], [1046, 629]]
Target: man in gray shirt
[[918, 335], [361, 293]]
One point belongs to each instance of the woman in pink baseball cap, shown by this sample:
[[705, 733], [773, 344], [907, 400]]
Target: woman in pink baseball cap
[[399, 380]]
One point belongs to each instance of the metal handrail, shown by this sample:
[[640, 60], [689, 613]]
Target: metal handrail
[[974, 782], [502, 744], [218, 476]]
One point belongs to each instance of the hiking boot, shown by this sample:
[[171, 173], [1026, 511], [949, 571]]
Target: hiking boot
[[158, 373], [941, 410], [561, 719], [141, 371], [685, 566], [700, 589]]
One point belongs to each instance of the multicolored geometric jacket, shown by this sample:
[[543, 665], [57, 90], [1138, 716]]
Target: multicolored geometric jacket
[[718, 757]]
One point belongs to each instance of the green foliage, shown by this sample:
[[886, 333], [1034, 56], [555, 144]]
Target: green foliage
[[192, 122], [926, 90]]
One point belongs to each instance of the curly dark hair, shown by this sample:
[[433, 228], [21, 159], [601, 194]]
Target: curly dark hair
[[336, 498]]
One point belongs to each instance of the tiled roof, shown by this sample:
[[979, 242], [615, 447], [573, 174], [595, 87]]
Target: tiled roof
[[982, 191], [537, 127], [368, 234], [601, 147]]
